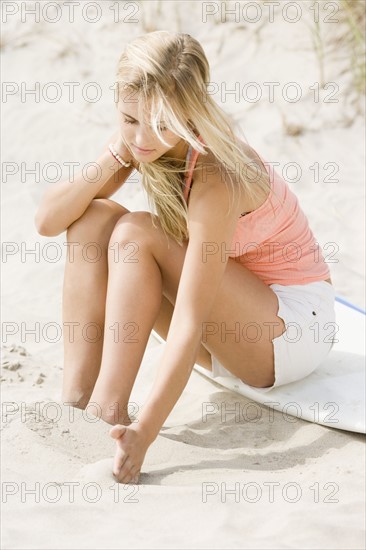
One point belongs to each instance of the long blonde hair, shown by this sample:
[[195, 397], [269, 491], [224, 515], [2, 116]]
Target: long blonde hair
[[170, 71]]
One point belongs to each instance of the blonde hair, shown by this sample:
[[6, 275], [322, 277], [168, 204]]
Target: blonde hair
[[170, 71]]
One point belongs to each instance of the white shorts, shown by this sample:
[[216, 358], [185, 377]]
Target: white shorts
[[308, 312]]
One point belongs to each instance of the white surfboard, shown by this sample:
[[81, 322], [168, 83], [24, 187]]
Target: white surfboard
[[332, 395]]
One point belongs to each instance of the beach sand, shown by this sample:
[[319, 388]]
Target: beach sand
[[217, 480]]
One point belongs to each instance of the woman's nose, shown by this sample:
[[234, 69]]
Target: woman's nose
[[144, 138]]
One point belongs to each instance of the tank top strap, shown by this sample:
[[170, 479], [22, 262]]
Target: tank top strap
[[191, 158]]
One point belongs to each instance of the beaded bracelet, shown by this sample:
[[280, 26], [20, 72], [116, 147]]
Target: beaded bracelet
[[118, 158]]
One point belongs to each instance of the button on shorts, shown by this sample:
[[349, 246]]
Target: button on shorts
[[308, 312]]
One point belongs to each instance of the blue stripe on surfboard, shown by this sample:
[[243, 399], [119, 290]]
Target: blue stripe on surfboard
[[349, 304]]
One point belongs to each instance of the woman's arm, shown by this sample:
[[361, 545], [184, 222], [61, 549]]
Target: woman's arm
[[65, 202], [121, 174], [210, 232]]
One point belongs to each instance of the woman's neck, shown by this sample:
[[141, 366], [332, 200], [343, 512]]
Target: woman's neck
[[179, 151]]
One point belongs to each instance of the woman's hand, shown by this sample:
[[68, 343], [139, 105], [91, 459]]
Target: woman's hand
[[121, 148], [131, 448]]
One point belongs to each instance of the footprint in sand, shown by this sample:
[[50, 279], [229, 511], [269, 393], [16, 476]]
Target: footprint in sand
[[16, 358], [73, 431]]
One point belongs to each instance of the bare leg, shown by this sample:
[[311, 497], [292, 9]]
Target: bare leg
[[84, 297], [84, 293], [143, 268], [133, 305], [133, 302]]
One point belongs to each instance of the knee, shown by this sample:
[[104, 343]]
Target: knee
[[133, 226], [133, 221], [99, 213], [90, 215]]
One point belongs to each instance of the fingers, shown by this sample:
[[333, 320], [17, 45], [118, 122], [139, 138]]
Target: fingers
[[127, 478], [117, 431], [119, 461], [135, 472], [128, 473], [123, 468], [131, 478]]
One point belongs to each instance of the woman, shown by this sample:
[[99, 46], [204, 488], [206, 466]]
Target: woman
[[220, 272]]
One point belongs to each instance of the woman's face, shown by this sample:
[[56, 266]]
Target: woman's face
[[140, 137]]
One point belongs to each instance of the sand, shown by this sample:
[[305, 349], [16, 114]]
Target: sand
[[225, 481]]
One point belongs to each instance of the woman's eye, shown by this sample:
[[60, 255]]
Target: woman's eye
[[162, 128]]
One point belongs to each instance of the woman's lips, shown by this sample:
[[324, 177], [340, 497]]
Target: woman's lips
[[143, 150]]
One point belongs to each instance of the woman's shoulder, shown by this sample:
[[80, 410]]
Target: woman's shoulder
[[251, 153], [210, 161], [208, 164]]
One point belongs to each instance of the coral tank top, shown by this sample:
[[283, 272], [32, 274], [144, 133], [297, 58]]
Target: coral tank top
[[275, 242]]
